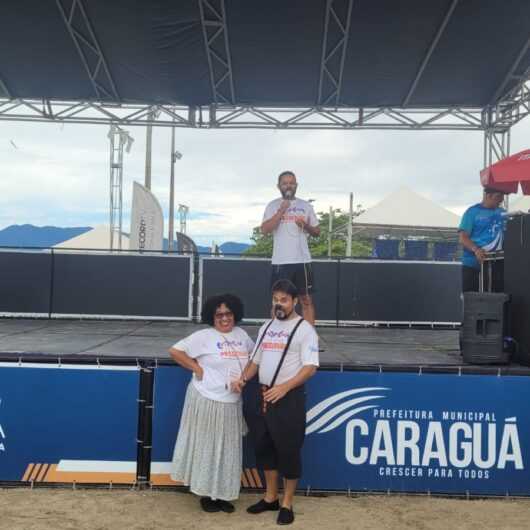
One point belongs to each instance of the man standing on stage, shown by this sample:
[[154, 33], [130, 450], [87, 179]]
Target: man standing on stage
[[290, 220], [285, 357], [482, 230]]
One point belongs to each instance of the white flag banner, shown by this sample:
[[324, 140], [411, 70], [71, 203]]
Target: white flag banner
[[147, 220]]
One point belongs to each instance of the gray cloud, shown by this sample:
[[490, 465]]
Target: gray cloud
[[60, 175]]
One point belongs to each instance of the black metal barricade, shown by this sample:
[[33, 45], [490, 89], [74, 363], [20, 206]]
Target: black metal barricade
[[25, 282], [348, 291]]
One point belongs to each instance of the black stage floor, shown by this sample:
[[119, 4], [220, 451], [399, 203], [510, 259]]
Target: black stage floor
[[391, 348], [151, 339]]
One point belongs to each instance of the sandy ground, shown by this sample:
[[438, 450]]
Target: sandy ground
[[98, 510]]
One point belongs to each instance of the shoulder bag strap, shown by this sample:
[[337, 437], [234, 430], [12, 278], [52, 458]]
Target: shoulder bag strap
[[285, 352]]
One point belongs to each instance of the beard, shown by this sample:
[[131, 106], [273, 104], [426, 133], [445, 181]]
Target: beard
[[280, 313], [289, 194]]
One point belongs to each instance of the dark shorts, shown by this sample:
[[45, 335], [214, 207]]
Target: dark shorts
[[278, 435], [301, 274]]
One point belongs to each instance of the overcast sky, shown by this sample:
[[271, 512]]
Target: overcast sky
[[59, 174]]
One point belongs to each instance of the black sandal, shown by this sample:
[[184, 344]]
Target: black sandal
[[264, 506], [285, 516], [209, 505], [225, 506]]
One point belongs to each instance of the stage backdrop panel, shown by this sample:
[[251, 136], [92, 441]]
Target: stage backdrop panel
[[25, 282], [401, 432], [400, 291], [170, 387], [122, 285], [327, 293], [516, 282], [68, 423], [249, 278], [409, 433]]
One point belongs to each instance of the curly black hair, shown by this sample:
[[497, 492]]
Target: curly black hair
[[231, 301], [285, 286]]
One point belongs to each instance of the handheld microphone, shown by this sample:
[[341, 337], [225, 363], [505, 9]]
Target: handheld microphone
[[289, 195]]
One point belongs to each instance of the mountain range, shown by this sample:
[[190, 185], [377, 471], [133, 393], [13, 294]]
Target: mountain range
[[47, 236]]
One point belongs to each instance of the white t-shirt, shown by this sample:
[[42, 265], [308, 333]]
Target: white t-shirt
[[303, 350], [222, 358], [290, 241]]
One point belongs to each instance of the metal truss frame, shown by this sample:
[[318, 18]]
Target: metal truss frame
[[120, 140], [513, 107], [507, 112], [334, 45], [4, 91], [496, 145], [242, 117], [80, 29], [495, 120], [215, 32]]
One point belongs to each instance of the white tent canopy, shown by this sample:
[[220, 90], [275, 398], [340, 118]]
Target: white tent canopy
[[520, 204], [406, 213], [96, 239]]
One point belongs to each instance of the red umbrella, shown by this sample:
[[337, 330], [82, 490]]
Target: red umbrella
[[506, 174]]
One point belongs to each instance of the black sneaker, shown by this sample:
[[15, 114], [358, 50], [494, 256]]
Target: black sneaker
[[264, 506], [209, 505], [225, 506], [285, 516]]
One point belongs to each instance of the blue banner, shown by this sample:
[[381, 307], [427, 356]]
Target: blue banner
[[418, 433], [401, 432], [68, 423]]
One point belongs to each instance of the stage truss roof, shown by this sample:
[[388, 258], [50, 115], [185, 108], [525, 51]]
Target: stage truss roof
[[345, 64]]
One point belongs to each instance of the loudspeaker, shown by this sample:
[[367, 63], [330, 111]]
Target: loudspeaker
[[483, 328], [517, 283]]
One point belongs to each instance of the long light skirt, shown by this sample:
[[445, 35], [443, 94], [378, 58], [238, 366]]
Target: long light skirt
[[208, 454]]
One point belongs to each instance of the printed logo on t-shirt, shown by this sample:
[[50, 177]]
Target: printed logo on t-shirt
[[292, 213], [231, 348], [275, 340]]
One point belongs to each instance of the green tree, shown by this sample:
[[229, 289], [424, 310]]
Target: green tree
[[262, 244]]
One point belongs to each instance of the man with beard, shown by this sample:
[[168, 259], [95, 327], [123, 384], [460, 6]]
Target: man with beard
[[285, 357], [290, 220]]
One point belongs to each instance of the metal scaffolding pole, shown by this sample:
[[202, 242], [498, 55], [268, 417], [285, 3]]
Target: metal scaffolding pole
[[148, 151], [496, 144], [171, 236], [330, 229], [183, 216], [175, 155], [350, 227], [119, 140]]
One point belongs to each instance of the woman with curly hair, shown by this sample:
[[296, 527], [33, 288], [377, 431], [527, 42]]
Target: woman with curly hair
[[208, 452]]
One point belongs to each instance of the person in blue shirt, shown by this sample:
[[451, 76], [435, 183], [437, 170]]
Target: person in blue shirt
[[481, 231]]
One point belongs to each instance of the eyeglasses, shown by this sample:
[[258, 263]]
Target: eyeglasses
[[226, 314]]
